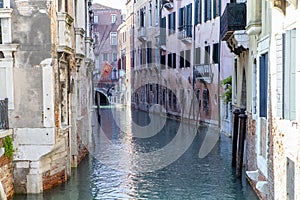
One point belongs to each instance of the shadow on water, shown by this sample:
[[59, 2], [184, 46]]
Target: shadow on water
[[189, 177]]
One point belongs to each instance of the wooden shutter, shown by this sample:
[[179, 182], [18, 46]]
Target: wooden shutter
[[180, 20]]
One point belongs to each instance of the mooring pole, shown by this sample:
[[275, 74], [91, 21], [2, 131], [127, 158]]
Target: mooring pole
[[235, 129], [241, 142]]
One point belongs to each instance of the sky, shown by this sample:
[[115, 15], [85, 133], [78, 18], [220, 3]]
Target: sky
[[120, 4]]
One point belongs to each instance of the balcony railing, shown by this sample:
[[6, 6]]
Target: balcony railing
[[185, 33], [142, 33], [203, 73], [233, 19], [4, 114]]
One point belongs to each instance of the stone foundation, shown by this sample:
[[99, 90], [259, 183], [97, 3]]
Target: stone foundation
[[50, 180]]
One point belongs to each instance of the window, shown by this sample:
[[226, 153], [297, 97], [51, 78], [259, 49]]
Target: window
[[105, 57], [207, 10], [150, 14], [149, 52], [263, 82], [171, 24], [198, 54], [172, 60], [188, 20], [207, 55], [187, 58], [96, 20], [180, 20], [156, 12], [113, 18], [216, 8], [115, 56], [185, 20], [198, 11], [142, 18], [286, 74], [113, 38], [181, 59], [163, 61], [215, 56], [1, 3]]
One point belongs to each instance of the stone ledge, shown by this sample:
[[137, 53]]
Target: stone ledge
[[5, 132], [258, 183]]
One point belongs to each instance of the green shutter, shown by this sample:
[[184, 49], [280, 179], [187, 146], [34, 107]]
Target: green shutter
[[279, 74]]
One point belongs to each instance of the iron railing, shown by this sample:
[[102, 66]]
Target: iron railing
[[4, 114], [233, 19]]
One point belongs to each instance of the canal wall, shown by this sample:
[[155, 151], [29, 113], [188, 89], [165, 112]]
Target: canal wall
[[6, 176]]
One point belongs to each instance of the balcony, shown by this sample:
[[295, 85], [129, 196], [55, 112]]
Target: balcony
[[185, 34], [203, 73], [65, 23], [142, 34], [80, 43], [233, 19], [4, 114], [160, 41]]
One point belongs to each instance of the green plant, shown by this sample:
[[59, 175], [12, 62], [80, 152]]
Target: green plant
[[8, 146], [227, 95]]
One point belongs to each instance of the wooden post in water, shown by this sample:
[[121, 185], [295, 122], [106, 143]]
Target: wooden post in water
[[235, 129], [241, 142]]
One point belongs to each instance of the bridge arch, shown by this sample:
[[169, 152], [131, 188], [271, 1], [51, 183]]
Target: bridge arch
[[101, 98]]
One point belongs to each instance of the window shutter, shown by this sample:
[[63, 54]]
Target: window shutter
[[174, 61], [279, 74], [173, 22], [185, 19], [180, 20], [197, 12], [293, 76], [189, 18], [263, 81], [286, 67]]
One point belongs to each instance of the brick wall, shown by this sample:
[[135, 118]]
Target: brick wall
[[51, 180], [6, 176]]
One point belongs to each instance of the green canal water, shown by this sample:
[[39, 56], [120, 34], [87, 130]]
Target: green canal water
[[121, 169]]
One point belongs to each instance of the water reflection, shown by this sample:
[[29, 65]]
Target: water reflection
[[121, 175]]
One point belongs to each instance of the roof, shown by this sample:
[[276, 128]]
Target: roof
[[97, 6]]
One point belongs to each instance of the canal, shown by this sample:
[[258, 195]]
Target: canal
[[134, 155]]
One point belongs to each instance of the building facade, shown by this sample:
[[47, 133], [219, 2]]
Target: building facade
[[265, 78], [179, 58], [46, 68], [105, 33]]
